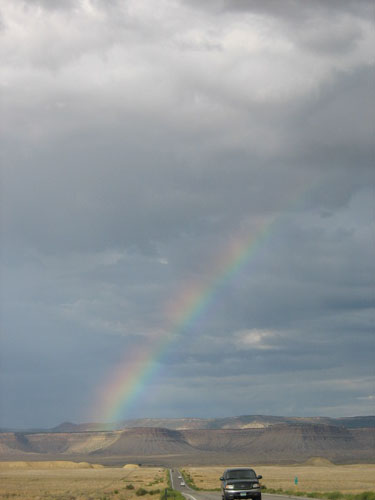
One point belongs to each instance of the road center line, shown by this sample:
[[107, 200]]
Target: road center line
[[187, 494]]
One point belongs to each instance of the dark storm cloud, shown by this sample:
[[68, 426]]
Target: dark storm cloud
[[91, 180], [136, 146]]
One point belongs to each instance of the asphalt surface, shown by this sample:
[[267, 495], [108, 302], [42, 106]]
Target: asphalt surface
[[190, 494]]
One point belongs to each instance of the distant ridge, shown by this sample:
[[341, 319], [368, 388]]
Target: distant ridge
[[254, 442], [66, 427], [240, 422], [70, 427]]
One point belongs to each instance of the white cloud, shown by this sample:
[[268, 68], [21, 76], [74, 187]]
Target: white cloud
[[257, 339]]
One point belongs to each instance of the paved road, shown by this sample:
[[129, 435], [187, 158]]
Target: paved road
[[190, 494]]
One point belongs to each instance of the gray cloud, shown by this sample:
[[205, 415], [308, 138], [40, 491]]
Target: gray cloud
[[290, 8], [136, 147]]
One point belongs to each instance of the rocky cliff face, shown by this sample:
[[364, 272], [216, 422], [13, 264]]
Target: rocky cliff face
[[279, 443]]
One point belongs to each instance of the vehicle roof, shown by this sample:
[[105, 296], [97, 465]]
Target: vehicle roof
[[239, 468]]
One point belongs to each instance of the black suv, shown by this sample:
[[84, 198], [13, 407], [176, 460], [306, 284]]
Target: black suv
[[240, 483]]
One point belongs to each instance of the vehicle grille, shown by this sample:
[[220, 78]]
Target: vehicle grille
[[243, 486]]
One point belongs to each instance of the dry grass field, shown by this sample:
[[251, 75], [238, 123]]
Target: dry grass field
[[324, 477], [64, 481]]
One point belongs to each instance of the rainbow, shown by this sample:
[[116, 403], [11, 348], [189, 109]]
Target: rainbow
[[128, 380]]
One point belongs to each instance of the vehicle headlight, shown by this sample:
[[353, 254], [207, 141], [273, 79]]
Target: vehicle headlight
[[256, 485], [229, 487]]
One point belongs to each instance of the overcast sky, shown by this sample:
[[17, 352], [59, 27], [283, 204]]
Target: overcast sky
[[139, 139]]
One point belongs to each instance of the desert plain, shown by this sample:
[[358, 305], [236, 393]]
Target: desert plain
[[82, 481], [320, 475], [61, 480]]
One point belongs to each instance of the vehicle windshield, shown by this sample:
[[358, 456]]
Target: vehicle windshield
[[241, 474]]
